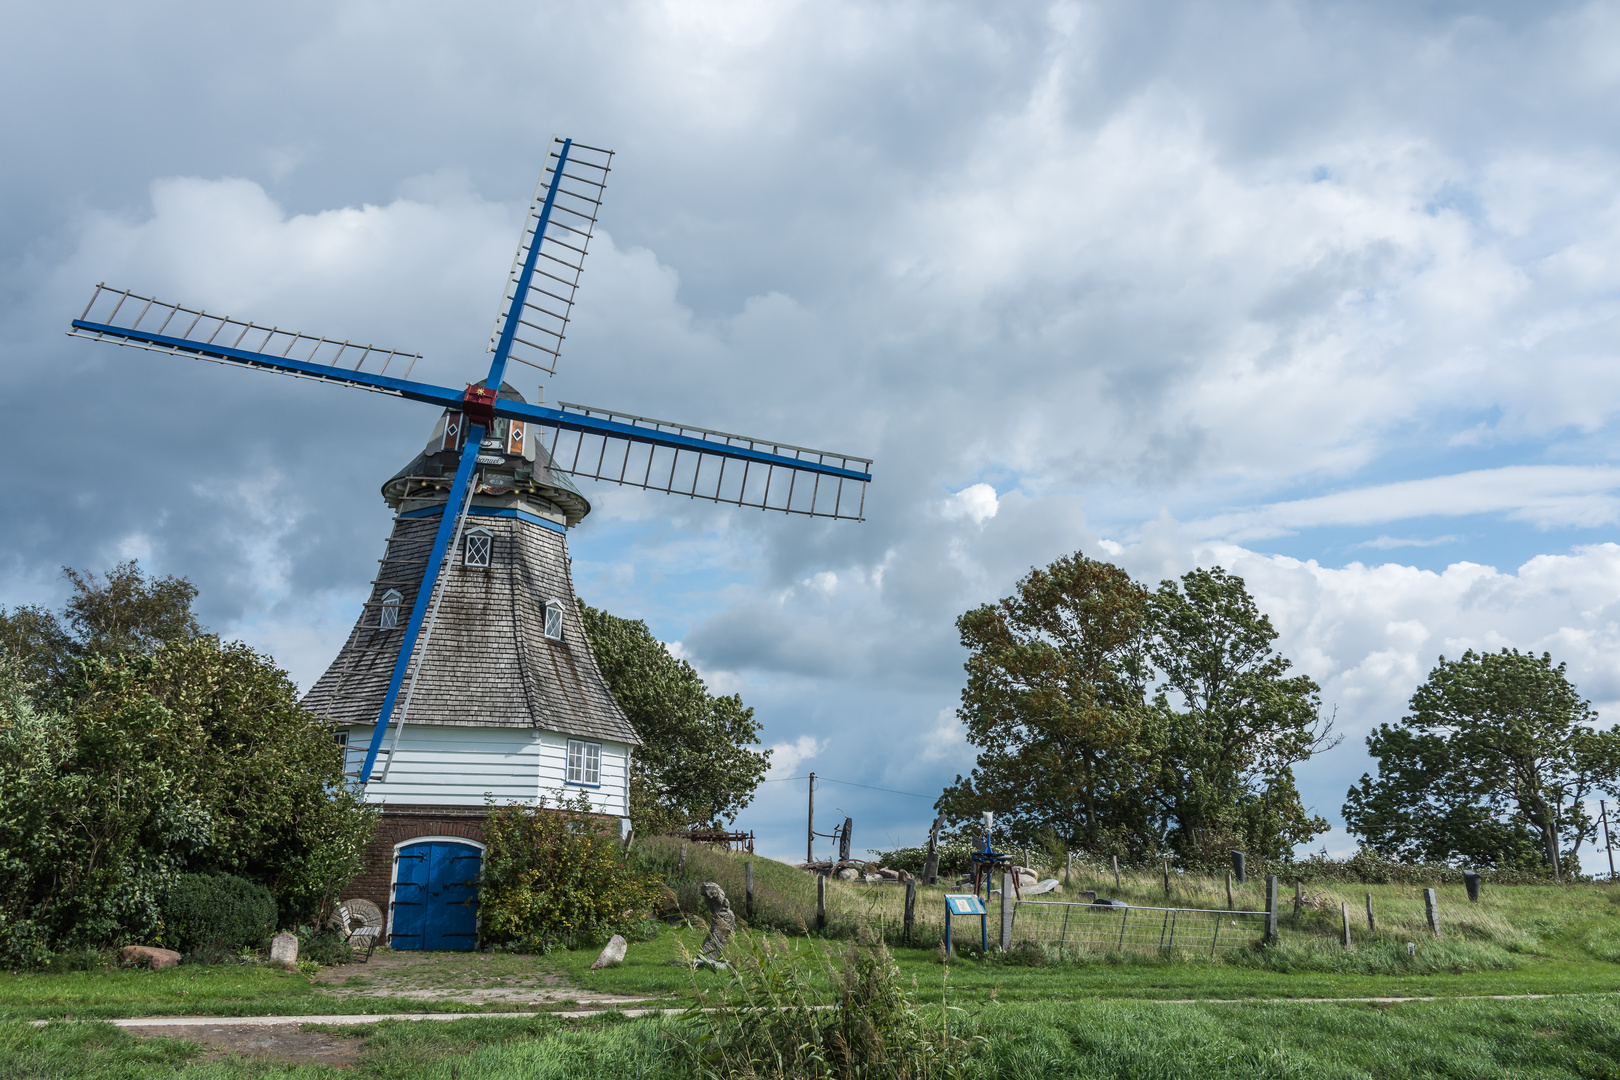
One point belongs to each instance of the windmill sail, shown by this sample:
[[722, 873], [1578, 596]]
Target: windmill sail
[[126, 318], [661, 455], [561, 218]]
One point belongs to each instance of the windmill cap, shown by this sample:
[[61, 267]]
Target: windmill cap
[[512, 462]]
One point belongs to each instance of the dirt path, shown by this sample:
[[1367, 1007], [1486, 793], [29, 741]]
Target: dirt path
[[463, 978]]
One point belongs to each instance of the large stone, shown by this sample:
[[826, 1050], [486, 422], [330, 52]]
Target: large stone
[[722, 924], [849, 873], [1038, 888], [155, 958], [284, 950], [612, 953]]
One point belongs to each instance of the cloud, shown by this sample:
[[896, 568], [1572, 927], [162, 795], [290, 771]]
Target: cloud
[[1390, 543], [787, 757]]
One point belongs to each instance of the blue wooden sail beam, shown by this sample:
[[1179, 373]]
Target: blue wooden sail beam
[[207, 343]]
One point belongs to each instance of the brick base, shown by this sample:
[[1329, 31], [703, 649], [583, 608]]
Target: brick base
[[399, 824]]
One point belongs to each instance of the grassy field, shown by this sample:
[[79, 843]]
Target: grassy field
[[1545, 1039]]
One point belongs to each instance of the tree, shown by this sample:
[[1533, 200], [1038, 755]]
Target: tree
[[193, 757], [1493, 761], [1054, 702], [1224, 774], [695, 763], [125, 612]]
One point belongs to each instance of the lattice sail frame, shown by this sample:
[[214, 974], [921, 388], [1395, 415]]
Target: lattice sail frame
[[185, 331], [701, 471], [548, 303]]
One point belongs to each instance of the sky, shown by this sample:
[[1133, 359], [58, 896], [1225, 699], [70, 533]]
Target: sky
[[1326, 294]]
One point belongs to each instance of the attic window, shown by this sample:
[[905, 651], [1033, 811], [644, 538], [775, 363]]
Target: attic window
[[389, 618], [476, 546], [554, 614]]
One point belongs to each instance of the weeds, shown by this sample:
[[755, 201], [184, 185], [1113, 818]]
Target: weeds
[[772, 1021]]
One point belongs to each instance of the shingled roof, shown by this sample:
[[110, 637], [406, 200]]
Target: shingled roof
[[489, 662]]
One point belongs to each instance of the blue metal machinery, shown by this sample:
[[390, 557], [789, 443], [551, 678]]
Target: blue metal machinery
[[588, 442]]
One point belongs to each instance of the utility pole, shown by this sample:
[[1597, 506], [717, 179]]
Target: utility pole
[[1608, 845], [810, 833]]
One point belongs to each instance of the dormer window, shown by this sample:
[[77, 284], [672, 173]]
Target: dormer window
[[554, 613], [389, 618], [476, 547]]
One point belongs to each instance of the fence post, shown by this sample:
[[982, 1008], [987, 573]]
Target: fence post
[[1006, 911], [1344, 910], [1229, 904], [1167, 879], [911, 906], [821, 901], [1068, 867], [1116, 872], [1371, 926], [1432, 909], [1271, 909], [748, 888], [1299, 899], [1471, 879]]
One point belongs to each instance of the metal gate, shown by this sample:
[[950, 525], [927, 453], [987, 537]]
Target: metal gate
[[1075, 928]]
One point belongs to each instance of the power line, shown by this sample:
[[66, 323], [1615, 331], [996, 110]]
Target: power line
[[848, 783]]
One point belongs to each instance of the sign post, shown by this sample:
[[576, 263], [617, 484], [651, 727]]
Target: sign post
[[966, 904]]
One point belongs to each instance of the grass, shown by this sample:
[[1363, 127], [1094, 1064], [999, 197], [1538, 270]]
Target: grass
[[1574, 1038]]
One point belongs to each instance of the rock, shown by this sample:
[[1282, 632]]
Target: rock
[[612, 953], [903, 875], [722, 923], [1088, 895], [848, 873], [1036, 889], [892, 875], [155, 958], [284, 950]]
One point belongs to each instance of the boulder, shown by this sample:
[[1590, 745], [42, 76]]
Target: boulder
[[722, 924], [1038, 888], [892, 875], [848, 873], [612, 953], [154, 958], [284, 950]]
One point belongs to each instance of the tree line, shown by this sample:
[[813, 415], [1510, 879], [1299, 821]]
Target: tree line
[[1118, 720]]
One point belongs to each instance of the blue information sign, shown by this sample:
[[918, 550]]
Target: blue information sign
[[965, 904]]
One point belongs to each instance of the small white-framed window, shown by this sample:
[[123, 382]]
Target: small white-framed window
[[476, 546], [584, 763], [554, 614], [388, 617]]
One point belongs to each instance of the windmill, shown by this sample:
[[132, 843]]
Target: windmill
[[488, 426]]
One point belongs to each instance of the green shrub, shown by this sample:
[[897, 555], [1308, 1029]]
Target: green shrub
[[953, 858], [557, 877], [325, 946], [772, 1021], [217, 912]]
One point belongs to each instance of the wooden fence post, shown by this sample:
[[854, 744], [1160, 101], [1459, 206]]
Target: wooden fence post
[[1344, 910], [1006, 911], [1116, 872], [821, 901], [1371, 926], [1068, 867], [1299, 899], [911, 906], [1271, 909], [1167, 879], [1432, 909], [748, 888], [1229, 905]]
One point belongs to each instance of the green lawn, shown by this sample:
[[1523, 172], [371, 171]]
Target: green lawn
[[1577, 1037]]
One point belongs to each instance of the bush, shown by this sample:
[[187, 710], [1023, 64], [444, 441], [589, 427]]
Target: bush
[[773, 1022], [218, 913], [325, 946], [557, 877], [953, 858]]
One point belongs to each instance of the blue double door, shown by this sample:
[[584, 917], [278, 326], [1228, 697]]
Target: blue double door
[[436, 896]]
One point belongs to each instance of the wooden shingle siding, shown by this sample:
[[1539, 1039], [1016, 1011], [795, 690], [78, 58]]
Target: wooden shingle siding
[[489, 663]]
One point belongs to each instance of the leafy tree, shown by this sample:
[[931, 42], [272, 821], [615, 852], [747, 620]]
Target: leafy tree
[[1054, 702], [695, 763], [193, 757], [125, 612], [1491, 764], [1224, 773]]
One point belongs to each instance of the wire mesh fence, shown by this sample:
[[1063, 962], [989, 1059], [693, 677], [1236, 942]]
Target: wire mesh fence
[[1071, 928]]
